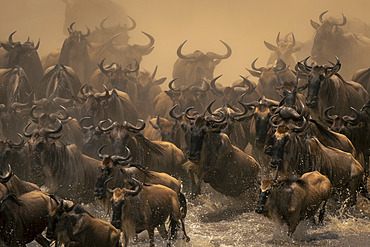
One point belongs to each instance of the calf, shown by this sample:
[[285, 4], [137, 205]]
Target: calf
[[74, 226], [292, 200]]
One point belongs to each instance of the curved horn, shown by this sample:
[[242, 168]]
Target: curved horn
[[133, 26], [179, 53], [32, 115], [251, 86], [102, 23], [16, 145], [117, 158], [101, 67], [106, 184], [236, 115], [37, 46], [209, 108], [293, 40], [217, 56], [170, 85], [217, 91], [110, 127], [299, 128], [173, 115], [149, 45], [344, 22], [4, 179], [138, 187], [158, 122], [352, 120], [326, 114], [187, 113], [84, 95], [85, 127], [280, 65], [65, 113], [11, 39], [254, 66], [278, 39], [221, 120], [28, 135], [100, 155], [137, 66], [87, 32], [70, 29], [54, 131], [321, 15], [136, 128], [305, 62], [271, 121]]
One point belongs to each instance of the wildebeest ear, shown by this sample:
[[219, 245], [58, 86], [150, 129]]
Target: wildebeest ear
[[173, 95], [6, 47], [254, 73], [270, 46], [314, 24]]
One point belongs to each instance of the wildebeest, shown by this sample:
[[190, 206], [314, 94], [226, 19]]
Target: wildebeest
[[154, 155], [14, 86], [75, 54], [103, 33], [291, 200], [59, 81], [326, 88], [24, 218], [226, 168], [294, 151], [74, 226], [331, 40], [24, 55], [113, 104], [271, 77], [145, 207], [190, 69], [61, 167], [284, 50]]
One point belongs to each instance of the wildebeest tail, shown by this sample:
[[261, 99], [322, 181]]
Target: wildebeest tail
[[172, 228]]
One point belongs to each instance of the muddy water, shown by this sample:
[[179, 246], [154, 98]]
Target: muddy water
[[215, 220]]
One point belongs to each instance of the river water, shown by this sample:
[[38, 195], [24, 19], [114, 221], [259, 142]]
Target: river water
[[215, 220]]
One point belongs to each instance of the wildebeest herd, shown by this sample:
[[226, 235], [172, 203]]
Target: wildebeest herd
[[85, 124]]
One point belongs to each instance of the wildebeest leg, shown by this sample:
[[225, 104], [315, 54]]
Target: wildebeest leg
[[162, 231], [322, 212], [195, 185], [42, 241], [151, 236], [187, 239]]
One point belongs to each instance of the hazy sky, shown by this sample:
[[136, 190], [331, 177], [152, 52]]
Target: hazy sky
[[243, 24]]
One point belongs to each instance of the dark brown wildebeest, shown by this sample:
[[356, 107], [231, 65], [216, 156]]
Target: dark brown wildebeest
[[331, 40], [190, 69], [362, 76], [14, 86], [327, 88], [146, 207], [115, 77], [59, 81], [154, 155], [113, 104], [225, 167], [24, 218], [59, 166], [24, 55], [75, 54], [102, 33], [284, 50], [163, 130], [183, 97], [292, 200], [272, 77], [74, 226], [294, 151]]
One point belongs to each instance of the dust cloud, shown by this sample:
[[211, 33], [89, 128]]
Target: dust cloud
[[243, 24]]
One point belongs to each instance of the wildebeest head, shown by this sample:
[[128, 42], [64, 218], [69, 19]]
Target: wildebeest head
[[262, 111], [191, 68], [202, 126], [167, 129], [329, 39], [57, 208], [24, 55], [284, 49], [118, 76], [93, 136], [186, 97], [317, 75], [118, 199], [106, 170], [103, 33]]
